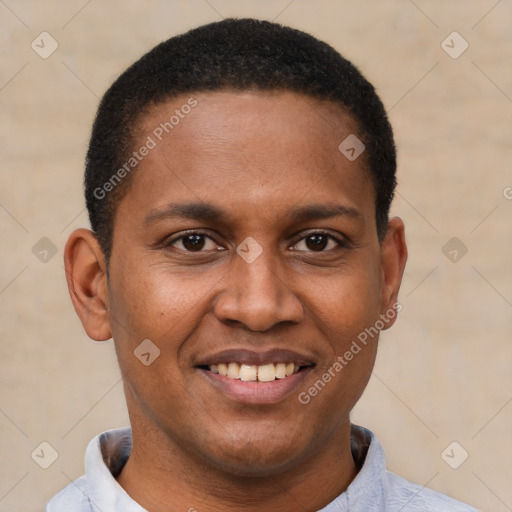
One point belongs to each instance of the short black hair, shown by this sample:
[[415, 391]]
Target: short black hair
[[236, 54]]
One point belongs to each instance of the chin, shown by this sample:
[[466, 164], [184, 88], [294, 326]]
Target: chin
[[257, 457]]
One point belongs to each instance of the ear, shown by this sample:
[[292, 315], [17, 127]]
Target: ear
[[393, 251], [86, 275]]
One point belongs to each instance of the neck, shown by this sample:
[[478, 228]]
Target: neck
[[161, 476]]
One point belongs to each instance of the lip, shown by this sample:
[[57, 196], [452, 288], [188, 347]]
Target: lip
[[253, 357], [255, 392]]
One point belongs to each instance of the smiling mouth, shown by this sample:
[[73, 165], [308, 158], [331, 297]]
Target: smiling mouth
[[260, 373]]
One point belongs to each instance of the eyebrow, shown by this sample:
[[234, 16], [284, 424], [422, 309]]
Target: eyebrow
[[199, 211], [209, 212]]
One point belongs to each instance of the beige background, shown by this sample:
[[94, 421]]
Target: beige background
[[443, 372]]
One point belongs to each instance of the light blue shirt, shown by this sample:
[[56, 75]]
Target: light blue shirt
[[373, 490]]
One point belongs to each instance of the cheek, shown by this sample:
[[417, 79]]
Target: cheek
[[159, 304], [153, 300], [152, 304], [348, 303], [347, 313]]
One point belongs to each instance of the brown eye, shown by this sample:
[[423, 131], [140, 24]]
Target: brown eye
[[193, 242], [317, 242]]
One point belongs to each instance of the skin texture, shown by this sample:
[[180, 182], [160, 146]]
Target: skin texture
[[257, 156]]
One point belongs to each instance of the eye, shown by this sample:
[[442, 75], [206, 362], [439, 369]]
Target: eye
[[318, 242], [193, 242]]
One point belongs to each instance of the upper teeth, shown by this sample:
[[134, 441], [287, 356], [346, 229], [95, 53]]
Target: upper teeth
[[262, 373]]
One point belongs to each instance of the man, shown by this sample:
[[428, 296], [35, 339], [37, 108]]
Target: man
[[238, 182]]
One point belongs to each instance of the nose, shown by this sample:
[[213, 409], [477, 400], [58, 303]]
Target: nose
[[257, 295]]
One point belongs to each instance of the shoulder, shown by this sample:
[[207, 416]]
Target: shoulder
[[375, 488], [73, 497], [408, 497]]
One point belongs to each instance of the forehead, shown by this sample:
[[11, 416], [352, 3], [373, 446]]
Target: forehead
[[248, 148], [228, 116]]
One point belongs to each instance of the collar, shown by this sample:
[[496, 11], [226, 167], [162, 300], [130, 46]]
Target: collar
[[108, 452], [105, 456]]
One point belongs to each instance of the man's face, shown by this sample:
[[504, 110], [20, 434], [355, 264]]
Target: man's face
[[245, 237]]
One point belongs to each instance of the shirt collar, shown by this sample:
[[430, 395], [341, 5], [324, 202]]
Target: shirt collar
[[107, 454], [366, 491], [104, 458]]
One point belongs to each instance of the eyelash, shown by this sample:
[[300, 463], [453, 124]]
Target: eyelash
[[341, 243]]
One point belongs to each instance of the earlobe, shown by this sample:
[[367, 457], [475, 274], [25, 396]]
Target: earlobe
[[393, 259], [86, 276]]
